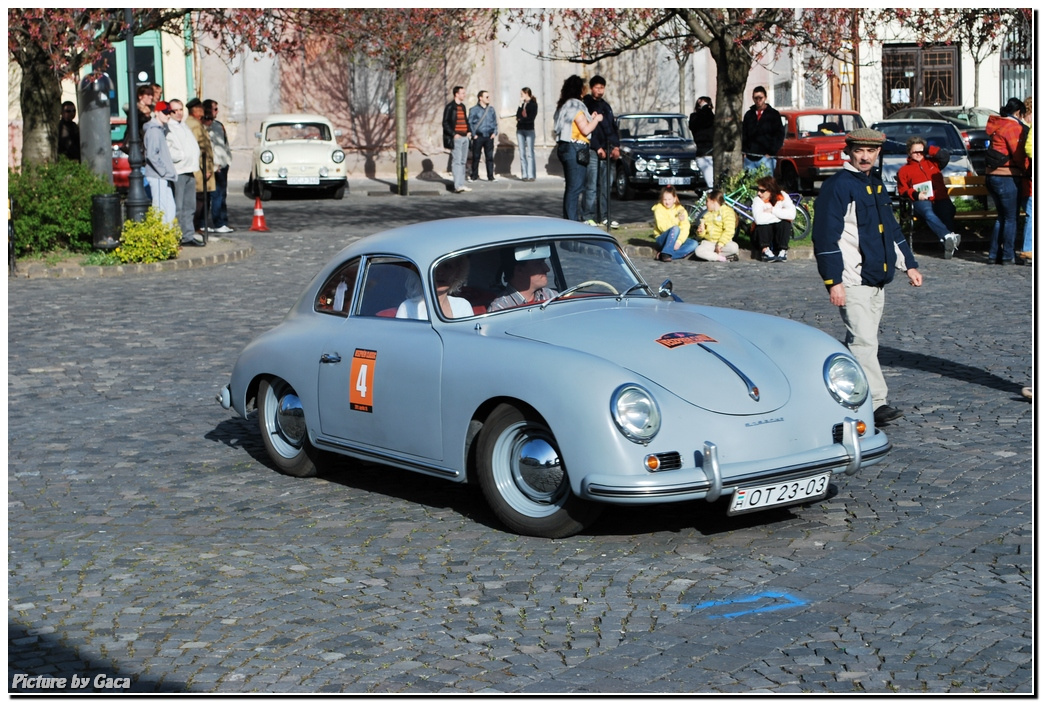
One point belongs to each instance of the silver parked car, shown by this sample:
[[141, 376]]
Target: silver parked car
[[936, 132], [527, 354]]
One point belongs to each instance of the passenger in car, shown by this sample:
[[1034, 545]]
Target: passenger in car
[[527, 282], [449, 277]]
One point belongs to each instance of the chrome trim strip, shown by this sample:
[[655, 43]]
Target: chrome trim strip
[[368, 454], [753, 391], [851, 440]]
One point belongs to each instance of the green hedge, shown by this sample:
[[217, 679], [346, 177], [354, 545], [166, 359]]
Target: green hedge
[[51, 206]]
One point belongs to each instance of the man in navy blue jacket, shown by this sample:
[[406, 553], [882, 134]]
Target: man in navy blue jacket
[[604, 149], [858, 245]]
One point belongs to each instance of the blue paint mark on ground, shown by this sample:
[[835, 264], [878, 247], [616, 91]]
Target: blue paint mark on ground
[[752, 604]]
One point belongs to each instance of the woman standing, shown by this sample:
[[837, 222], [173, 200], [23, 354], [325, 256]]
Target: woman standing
[[526, 113], [572, 125], [773, 211], [702, 127], [1006, 166]]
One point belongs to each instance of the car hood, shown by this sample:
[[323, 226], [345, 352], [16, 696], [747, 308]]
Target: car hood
[[663, 148], [704, 362]]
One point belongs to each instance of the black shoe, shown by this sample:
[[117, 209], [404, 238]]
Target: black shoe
[[732, 257], [491, 178], [886, 414], [665, 258], [193, 242]]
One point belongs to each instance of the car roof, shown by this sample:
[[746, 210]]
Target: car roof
[[426, 241], [296, 117], [818, 111]]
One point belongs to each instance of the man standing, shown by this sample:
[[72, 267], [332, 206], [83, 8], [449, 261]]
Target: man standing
[[68, 133], [762, 133], [858, 245], [204, 180], [159, 167], [222, 164], [184, 150], [604, 144], [456, 133], [484, 125]]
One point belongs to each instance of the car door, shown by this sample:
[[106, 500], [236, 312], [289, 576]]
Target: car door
[[379, 378]]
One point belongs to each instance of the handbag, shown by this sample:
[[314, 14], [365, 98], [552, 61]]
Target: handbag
[[582, 155]]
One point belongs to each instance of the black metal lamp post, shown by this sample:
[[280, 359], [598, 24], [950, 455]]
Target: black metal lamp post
[[137, 199]]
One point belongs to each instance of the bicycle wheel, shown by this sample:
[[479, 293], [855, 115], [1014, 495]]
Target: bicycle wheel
[[696, 213], [801, 223]]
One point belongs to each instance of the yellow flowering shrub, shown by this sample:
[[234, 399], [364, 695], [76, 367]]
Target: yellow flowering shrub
[[148, 241]]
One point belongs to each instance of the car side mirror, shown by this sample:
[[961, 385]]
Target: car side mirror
[[256, 134], [337, 132], [665, 291]]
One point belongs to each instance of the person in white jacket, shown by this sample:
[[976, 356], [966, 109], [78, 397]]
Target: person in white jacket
[[184, 150], [773, 211]]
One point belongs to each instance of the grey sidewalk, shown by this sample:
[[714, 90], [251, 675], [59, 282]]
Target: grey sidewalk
[[149, 538]]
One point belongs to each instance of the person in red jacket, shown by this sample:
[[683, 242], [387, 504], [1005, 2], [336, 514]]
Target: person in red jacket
[[1006, 166], [921, 182]]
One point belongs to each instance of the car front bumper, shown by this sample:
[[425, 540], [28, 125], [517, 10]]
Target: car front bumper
[[708, 480]]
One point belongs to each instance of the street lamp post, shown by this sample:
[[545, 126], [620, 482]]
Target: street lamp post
[[137, 199]]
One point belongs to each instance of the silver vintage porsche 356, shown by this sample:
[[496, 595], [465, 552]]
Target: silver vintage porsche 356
[[527, 354]]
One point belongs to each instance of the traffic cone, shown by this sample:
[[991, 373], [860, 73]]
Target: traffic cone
[[258, 218]]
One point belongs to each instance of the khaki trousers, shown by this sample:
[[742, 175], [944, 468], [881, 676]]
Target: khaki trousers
[[862, 316]]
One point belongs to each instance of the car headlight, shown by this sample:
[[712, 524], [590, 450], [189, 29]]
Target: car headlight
[[267, 156], [283, 172], [693, 164], [641, 164], [845, 381], [635, 413], [338, 156]]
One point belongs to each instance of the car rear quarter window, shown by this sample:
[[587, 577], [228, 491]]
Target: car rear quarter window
[[334, 297]]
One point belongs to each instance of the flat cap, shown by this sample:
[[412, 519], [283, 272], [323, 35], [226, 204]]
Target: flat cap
[[196, 102], [865, 137]]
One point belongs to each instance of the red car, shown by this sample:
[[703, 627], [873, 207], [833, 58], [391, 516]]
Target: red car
[[813, 144], [120, 161]]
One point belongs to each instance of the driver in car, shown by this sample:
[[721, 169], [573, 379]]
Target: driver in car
[[527, 282]]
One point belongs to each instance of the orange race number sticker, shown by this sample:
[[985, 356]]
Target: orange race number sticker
[[363, 373]]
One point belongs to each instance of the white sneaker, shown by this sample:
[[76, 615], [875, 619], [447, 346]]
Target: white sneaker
[[224, 229], [782, 256], [463, 189], [768, 255]]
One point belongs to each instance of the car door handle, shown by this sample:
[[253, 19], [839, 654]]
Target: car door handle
[[330, 357]]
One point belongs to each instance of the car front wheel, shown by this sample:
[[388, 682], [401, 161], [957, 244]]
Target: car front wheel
[[523, 478], [283, 429]]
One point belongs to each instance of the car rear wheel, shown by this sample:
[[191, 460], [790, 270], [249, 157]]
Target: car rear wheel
[[283, 429], [523, 477]]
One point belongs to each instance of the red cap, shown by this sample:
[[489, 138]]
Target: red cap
[[163, 107]]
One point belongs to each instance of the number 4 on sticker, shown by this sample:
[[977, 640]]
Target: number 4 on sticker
[[363, 373]]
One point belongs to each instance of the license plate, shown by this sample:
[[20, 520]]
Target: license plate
[[749, 499], [674, 181], [302, 180]]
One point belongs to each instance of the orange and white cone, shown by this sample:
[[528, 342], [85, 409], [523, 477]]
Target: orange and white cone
[[259, 225]]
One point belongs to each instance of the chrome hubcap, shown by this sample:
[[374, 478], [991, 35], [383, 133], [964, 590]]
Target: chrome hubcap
[[289, 416], [538, 471]]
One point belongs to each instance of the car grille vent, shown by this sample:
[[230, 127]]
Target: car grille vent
[[670, 460], [836, 433], [674, 165]]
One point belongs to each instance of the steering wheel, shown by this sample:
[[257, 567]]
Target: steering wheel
[[613, 289]]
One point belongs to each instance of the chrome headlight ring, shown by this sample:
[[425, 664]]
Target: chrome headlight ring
[[846, 381], [635, 413], [267, 156]]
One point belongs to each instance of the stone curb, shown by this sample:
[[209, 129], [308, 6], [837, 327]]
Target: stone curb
[[197, 258]]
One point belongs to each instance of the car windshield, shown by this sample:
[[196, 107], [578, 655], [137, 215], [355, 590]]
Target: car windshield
[[827, 124], [501, 278], [653, 127], [293, 131]]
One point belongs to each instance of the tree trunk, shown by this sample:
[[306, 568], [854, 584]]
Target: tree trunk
[[401, 126], [733, 63], [40, 95]]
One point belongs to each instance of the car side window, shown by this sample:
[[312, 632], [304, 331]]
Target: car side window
[[334, 297], [388, 282]]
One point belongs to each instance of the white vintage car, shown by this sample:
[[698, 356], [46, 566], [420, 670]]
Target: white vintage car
[[297, 151], [415, 348]]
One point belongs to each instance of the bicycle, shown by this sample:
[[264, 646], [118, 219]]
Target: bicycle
[[741, 200]]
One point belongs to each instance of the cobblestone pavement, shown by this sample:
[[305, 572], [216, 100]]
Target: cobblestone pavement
[[150, 539]]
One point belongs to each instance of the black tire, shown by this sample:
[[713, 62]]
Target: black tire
[[530, 497], [801, 225], [263, 192], [622, 188], [251, 189], [283, 429], [338, 192]]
